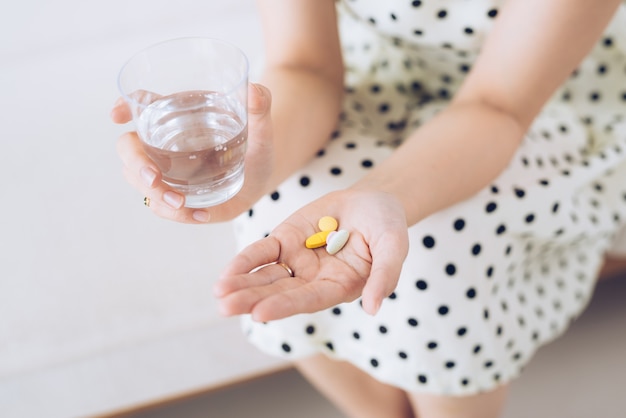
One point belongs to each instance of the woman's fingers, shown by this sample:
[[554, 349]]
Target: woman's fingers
[[120, 113], [254, 255], [303, 297], [143, 175], [283, 298], [141, 169]]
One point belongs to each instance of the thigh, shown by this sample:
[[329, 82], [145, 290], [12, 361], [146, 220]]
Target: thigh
[[353, 391], [484, 405]]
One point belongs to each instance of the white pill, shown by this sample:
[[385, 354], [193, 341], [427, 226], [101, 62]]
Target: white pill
[[336, 242]]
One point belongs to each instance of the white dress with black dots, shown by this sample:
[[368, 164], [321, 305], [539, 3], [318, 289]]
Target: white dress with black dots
[[488, 280]]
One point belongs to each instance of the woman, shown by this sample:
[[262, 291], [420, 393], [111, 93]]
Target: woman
[[477, 156]]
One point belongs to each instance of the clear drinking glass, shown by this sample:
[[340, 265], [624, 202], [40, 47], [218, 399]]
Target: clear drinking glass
[[188, 99]]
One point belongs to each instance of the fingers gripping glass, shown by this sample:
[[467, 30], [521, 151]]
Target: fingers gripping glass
[[188, 99]]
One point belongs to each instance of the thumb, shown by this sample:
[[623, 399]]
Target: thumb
[[388, 258], [259, 117]]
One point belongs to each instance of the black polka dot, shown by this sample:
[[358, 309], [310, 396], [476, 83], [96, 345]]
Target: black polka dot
[[476, 249], [374, 362], [432, 345], [336, 311], [335, 171], [275, 196], [416, 3], [529, 218], [459, 224], [402, 355], [428, 241], [471, 293], [305, 181], [412, 322], [461, 331], [450, 269], [310, 330], [421, 284], [491, 207], [422, 378], [441, 14], [501, 230], [595, 96], [443, 310], [492, 13], [367, 163], [382, 329], [450, 364], [286, 347]]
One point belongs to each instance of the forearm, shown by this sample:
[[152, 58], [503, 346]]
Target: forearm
[[452, 157], [305, 111]]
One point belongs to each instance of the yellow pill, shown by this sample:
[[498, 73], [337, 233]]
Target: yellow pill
[[317, 240], [327, 223]]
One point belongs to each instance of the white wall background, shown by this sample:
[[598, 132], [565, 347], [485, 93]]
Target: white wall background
[[102, 305]]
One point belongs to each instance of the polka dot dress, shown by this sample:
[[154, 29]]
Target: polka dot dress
[[491, 279]]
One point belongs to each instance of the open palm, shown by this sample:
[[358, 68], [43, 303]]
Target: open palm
[[369, 265]]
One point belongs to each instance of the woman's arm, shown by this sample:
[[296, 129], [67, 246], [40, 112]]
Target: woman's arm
[[534, 46], [304, 72]]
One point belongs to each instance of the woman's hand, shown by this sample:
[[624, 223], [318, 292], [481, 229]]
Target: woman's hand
[[369, 265], [143, 174]]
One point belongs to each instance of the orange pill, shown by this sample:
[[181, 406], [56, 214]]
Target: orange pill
[[317, 240], [327, 223]]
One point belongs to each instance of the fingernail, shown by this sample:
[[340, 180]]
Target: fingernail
[[118, 102], [148, 175], [257, 88], [173, 199], [201, 216], [374, 308]]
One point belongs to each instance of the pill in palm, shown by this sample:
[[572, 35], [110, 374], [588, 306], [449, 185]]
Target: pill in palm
[[337, 241], [317, 240], [327, 223], [329, 236]]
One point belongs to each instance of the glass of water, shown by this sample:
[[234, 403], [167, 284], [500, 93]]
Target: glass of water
[[188, 99]]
